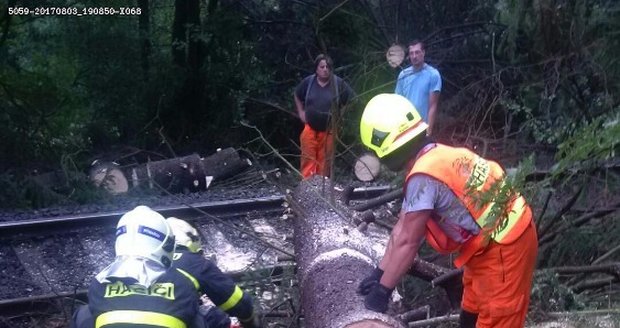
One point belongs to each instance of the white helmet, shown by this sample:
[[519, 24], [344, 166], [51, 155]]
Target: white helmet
[[185, 234], [145, 233]]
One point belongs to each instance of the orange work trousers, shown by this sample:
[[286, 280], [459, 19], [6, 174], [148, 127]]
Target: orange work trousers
[[316, 152], [497, 282]]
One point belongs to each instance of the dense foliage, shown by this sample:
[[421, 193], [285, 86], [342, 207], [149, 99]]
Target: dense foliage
[[180, 76]]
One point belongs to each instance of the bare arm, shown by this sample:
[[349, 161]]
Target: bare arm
[[402, 248], [300, 109], [432, 110]]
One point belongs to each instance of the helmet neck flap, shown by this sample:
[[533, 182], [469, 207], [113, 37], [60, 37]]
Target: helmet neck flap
[[144, 247]]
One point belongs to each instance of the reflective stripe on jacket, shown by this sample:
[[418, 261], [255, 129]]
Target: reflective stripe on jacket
[[169, 302], [208, 279], [471, 177]]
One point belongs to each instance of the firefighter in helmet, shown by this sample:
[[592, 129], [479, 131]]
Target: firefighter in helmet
[[140, 287], [209, 280]]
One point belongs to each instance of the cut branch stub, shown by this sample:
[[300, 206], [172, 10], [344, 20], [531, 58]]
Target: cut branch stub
[[378, 201], [332, 258], [449, 280]]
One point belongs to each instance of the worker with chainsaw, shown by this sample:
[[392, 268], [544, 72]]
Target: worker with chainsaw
[[458, 202], [209, 280], [318, 99]]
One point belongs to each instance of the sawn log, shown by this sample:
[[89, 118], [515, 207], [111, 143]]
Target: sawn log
[[332, 258], [181, 174]]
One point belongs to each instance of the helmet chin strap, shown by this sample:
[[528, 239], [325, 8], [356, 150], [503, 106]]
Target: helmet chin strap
[[404, 157]]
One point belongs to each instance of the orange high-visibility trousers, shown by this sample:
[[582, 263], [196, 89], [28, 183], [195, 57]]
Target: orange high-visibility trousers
[[497, 282], [316, 152]]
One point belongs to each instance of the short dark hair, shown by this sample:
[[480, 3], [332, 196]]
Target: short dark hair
[[417, 41], [327, 60]]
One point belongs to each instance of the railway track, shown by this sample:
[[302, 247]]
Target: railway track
[[49, 261], [59, 255]]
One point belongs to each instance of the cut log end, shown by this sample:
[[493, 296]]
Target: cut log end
[[109, 176], [395, 55], [331, 263], [367, 167]]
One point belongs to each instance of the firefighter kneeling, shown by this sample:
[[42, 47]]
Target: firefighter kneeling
[[141, 287], [446, 201], [209, 280]]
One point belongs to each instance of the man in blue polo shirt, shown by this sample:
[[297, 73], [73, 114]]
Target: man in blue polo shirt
[[421, 84]]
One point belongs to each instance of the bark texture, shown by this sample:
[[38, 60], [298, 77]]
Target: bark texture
[[189, 173], [332, 258]]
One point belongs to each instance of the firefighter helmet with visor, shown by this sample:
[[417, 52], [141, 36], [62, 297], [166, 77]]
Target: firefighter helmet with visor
[[145, 233]]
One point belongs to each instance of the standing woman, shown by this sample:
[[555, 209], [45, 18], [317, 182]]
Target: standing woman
[[318, 98]]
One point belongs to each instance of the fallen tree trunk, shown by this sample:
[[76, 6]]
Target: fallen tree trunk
[[448, 279], [594, 284], [332, 258], [184, 174]]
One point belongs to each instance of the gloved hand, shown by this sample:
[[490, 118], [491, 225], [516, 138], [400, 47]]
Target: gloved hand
[[378, 297], [214, 317], [253, 322], [366, 284]]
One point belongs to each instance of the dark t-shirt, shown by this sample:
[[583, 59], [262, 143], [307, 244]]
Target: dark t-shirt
[[318, 101]]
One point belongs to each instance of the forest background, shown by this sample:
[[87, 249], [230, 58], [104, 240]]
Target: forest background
[[519, 78]]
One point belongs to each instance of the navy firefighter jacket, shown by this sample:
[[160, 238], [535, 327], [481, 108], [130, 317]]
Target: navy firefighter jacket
[[171, 301], [210, 280]]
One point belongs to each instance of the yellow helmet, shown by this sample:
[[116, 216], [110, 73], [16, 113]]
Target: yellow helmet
[[185, 234], [388, 122]]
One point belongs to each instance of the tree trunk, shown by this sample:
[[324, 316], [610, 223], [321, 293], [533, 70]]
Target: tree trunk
[[6, 22], [181, 174], [332, 258], [186, 34], [144, 23], [190, 173]]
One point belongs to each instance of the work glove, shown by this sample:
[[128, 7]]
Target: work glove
[[214, 317], [368, 282], [378, 297], [253, 322]]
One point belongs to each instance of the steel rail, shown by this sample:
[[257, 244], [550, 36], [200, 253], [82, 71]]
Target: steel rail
[[235, 206], [238, 206]]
